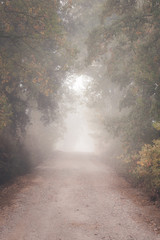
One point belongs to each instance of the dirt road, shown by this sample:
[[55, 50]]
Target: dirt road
[[75, 197]]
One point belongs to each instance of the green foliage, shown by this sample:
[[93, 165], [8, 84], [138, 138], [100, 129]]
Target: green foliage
[[5, 112], [14, 159], [127, 42], [143, 168], [156, 125], [127, 167], [34, 56], [30, 33], [148, 168]]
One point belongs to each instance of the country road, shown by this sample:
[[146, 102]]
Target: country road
[[76, 197]]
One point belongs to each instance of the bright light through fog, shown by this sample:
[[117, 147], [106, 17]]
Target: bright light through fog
[[78, 83], [77, 135]]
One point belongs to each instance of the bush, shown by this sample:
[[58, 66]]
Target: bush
[[148, 166], [14, 159], [128, 167], [143, 168]]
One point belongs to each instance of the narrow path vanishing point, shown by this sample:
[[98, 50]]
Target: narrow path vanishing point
[[75, 197]]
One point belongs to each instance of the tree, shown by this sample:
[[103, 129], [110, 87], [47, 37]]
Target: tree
[[33, 50], [34, 56], [127, 42]]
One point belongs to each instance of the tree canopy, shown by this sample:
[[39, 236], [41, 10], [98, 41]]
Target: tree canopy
[[34, 57], [33, 48], [127, 45]]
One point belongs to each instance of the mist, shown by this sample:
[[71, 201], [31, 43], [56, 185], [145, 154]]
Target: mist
[[79, 119], [77, 134], [79, 76]]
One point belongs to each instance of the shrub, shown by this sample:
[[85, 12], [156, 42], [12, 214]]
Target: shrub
[[148, 166], [128, 167], [143, 168], [14, 159]]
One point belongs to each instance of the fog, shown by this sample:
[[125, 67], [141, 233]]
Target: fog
[[77, 134], [79, 76], [79, 115], [85, 98]]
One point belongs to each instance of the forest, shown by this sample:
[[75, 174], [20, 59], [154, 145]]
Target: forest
[[41, 42], [127, 46], [33, 48]]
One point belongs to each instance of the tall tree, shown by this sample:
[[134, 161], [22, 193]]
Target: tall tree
[[34, 57], [127, 45], [32, 51]]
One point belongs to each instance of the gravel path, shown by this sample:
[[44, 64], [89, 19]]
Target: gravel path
[[75, 197]]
